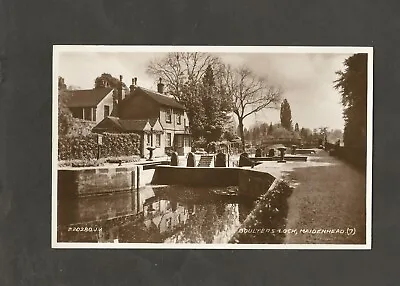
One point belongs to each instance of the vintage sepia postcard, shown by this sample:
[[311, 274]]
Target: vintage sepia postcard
[[212, 147]]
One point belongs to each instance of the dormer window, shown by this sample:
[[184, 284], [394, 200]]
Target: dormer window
[[178, 119], [168, 116]]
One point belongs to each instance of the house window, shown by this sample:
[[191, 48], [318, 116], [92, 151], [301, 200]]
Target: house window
[[87, 112], [94, 114], [178, 119], [158, 140], [148, 139], [184, 122], [168, 116], [77, 113], [168, 140], [179, 140], [106, 111], [187, 141]]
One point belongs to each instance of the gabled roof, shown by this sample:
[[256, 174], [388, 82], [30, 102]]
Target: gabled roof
[[132, 124], [155, 123], [162, 99], [86, 98], [125, 125]]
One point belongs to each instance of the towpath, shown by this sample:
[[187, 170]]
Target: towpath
[[328, 203]]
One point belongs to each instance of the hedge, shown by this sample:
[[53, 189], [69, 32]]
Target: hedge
[[85, 147], [355, 156]]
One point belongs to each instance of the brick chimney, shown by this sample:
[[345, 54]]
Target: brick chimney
[[160, 87], [115, 111], [120, 89], [133, 85]]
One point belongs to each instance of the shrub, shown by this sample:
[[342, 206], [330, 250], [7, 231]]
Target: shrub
[[200, 143], [120, 145], [81, 128], [282, 133], [270, 213], [86, 147], [352, 155]]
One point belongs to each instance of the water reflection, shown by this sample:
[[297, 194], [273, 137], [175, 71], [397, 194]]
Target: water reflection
[[171, 214]]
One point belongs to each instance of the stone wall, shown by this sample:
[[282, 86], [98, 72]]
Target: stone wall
[[276, 158], [176, 175], [76, 182], [254, 183], [251, 182], [88, 181]]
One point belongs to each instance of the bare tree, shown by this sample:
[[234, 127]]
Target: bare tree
[[250, 94], [184, 77], [177, 69]]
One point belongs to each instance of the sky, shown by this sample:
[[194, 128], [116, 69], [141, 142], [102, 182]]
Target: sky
[[307, 79]]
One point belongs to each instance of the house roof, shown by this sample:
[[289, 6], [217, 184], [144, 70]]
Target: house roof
[[162, 99], [125, 125], [130, 124], [155, 124], [86, 98]]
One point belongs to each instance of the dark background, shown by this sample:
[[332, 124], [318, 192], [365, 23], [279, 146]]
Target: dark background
[[28, 29]]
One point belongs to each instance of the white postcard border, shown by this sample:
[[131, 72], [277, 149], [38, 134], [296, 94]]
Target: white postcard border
[[57, 49]]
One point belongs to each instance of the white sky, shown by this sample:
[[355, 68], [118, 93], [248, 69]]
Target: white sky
[[306, 78]]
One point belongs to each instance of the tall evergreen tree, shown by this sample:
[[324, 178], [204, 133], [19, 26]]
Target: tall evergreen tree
[[296, 127], [286, 115], [215, 116], [194, 79], [352, 84], [208, 78], [194, 107]]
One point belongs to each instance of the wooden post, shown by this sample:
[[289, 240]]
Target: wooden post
[[99, 143]]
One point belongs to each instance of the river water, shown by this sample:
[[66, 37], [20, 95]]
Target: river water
[[154, 214]]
